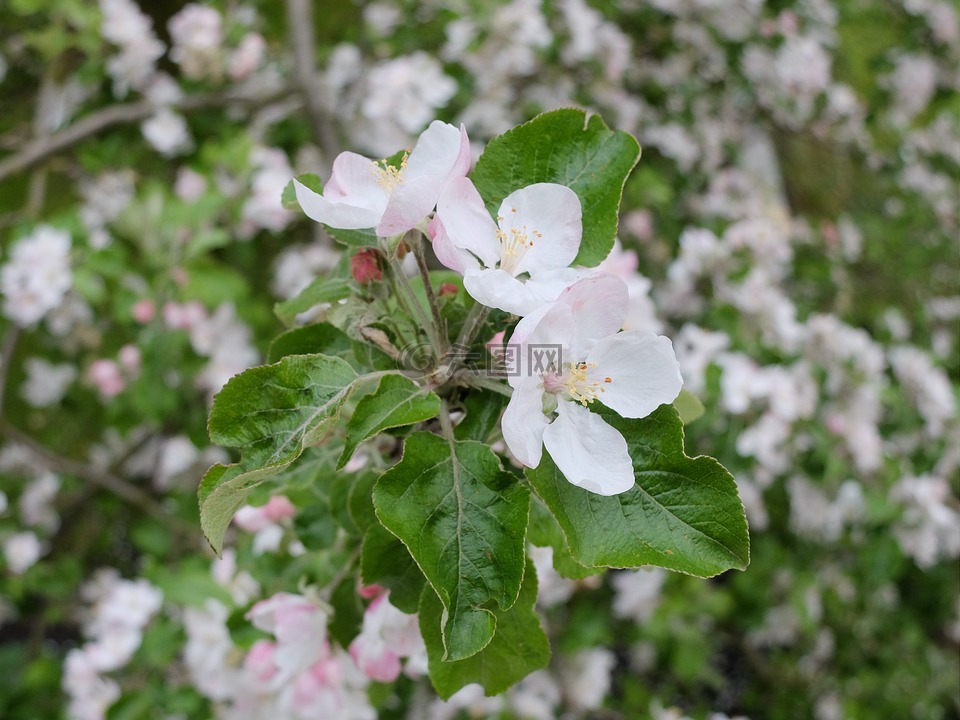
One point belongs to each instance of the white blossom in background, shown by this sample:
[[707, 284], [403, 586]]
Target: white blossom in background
[[247, 56], [927, 386], [197, 34], [536, 697], [637, 593], [298, 266], [125, 26], [927, 529], [585, 677], [263, 208], [402, 97], [552, 588], [120, 611], [36, 275], [36, 503], [227, 342], [239, 583], [21, 551], [209, 654], [913, 81], [167, 133], [46, 383], [105, 197]]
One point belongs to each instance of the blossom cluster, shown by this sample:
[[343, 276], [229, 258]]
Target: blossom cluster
[[791, 227]]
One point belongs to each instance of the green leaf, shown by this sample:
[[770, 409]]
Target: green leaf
[[354, 238], [350, 500], [463, 519], [683, 513], [483, 411], [570, 148], [545, 532], [396, 402], [384, 560], [519, 647], [321, 290], [689, 407], [311, 339], [272, 412]]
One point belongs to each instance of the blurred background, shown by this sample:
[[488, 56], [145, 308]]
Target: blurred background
[[792, 225]]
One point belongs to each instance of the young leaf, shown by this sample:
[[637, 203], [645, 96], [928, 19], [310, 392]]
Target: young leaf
[[272, 412], [545, 532], [519, 647], [385, 561], [683, 513], [463, 519], [396, 402], [321, 290], [566, 147]]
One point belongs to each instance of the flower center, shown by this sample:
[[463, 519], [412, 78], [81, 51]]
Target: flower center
[[389, 177], [576, 383], [514, 243]]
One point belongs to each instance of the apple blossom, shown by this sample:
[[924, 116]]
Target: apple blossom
[[387, 636], [362, 193], [631, 373], [537, 234]]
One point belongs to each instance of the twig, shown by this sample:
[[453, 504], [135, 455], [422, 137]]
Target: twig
[[409, 301], [40, 149], [6, 358], [303, 41], [102, 478]]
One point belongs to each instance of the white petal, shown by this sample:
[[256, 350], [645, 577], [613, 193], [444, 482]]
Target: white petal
[[344, 214], [598, 305], [523, 422], [547, 286], [643, 370], [589, 452], [499, 289], [468, 224], [447, 253], [441, 151], [550, 216]]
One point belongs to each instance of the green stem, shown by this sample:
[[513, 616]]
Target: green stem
[[472, 379], [471, 326], [438, 320], [408, 300]]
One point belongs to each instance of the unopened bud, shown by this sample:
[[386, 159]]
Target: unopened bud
[[365, 268], [449, 289]]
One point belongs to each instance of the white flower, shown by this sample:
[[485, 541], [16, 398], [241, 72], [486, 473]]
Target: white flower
[[537, 233], [167, 133], [631, 373], [37, 275], [46, 383], [362, 193], [22, 551], [197, 35], [387, 636]]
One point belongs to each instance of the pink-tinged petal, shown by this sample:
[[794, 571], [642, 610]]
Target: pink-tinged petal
[[411, 201], [598, 305], [439, 151], [524, 423], [353, 179], [499, 289], [467, 222], [447, 253], [589, 452], [375, 660], [550, 217], [642, 369], [336, 214]]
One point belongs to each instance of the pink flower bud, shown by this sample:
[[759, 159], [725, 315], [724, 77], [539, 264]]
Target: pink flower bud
[[130, 359], [105, 375], [364, 267], [143, 311], [449, 289], [279, 507]]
